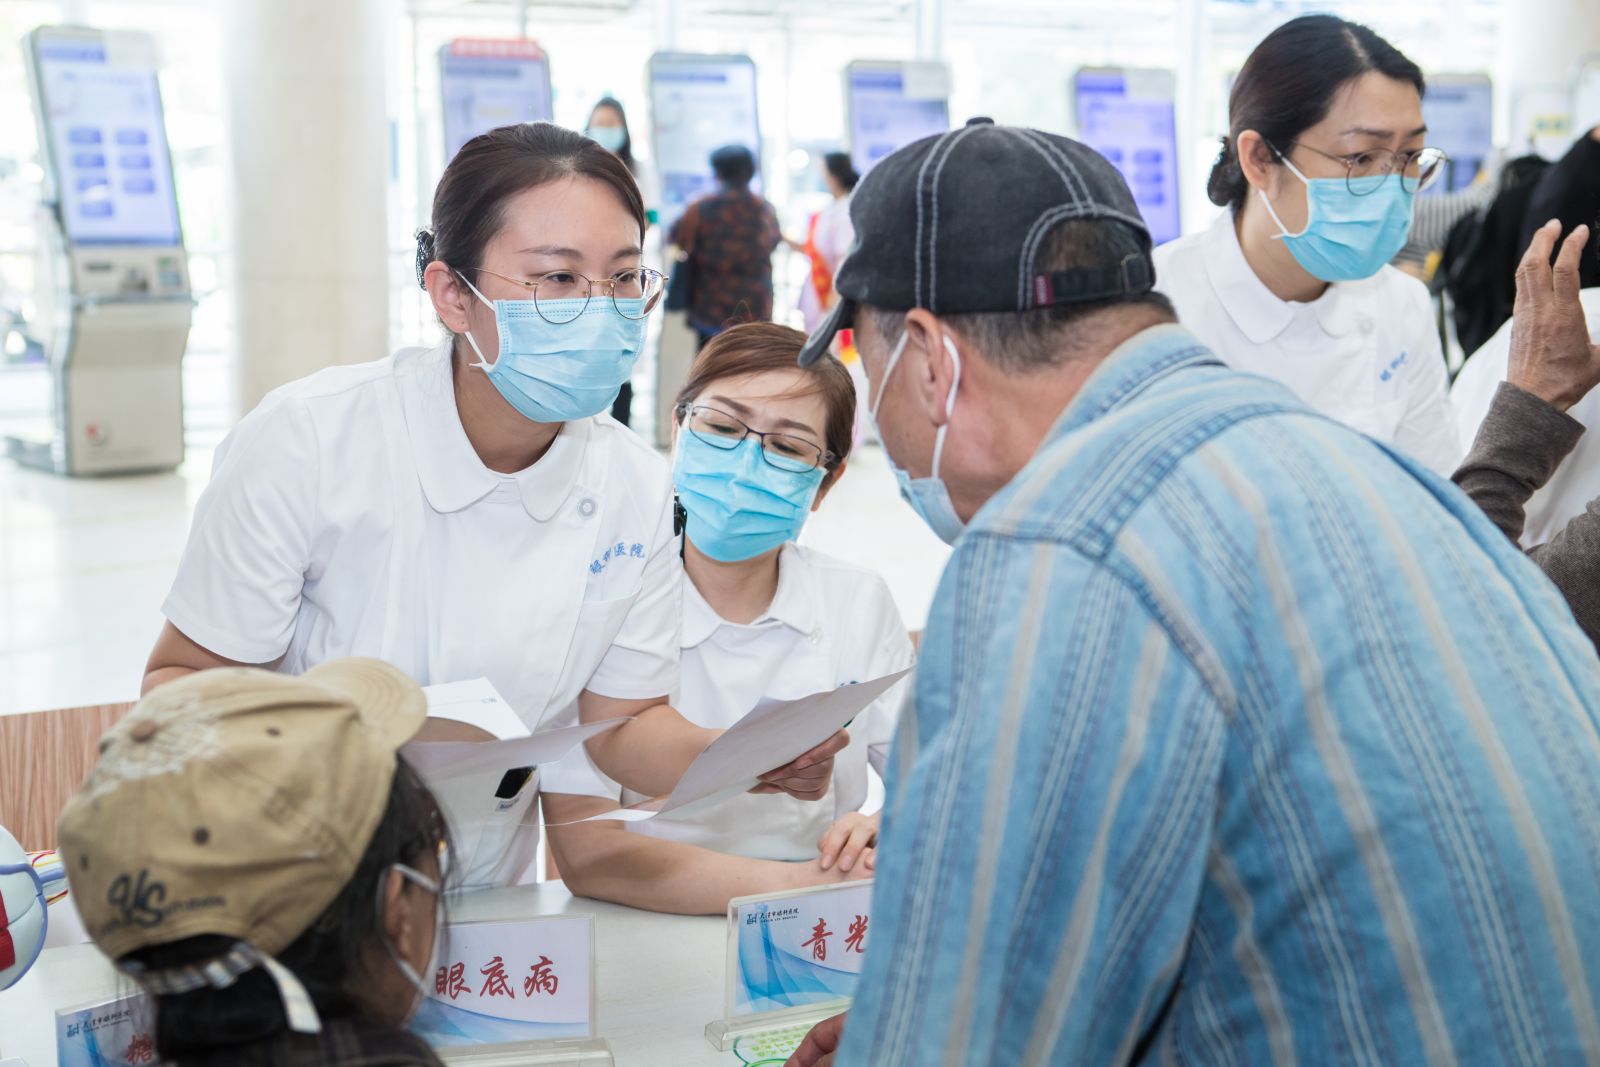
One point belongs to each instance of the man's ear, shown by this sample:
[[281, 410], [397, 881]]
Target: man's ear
[[449, 294], [929, 364], [830, 480], [1258, 162]]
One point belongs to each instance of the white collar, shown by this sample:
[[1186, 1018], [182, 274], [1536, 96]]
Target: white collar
[[793, 605], [1258, 312], [452, 475]]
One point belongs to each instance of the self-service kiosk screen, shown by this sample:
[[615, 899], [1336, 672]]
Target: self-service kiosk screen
[[1127, 116], [491, 83], [886, 113], [106, 140], [1459, 111], [698, 104]]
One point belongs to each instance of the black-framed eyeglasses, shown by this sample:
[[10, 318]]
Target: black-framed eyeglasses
[[784, 451], [1365, 171], [634, 292]]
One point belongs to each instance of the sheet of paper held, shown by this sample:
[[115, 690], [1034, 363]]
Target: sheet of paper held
[[477, 703], [770, 736]]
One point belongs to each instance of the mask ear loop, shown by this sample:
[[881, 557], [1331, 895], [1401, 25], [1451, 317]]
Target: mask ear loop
[[427, 884], [883, 386], [949, 406], [482, 362], [1283, 231]]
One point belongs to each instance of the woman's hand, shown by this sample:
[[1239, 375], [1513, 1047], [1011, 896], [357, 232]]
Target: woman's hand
[[850, 840], [820, 1044], [808, 776]]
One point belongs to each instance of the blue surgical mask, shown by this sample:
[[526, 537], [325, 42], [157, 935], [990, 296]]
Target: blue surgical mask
[[611, 138], [1346, 236], [557, 372], [928, 496], [739, 505]]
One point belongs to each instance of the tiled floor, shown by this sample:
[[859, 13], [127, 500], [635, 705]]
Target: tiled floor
[[85, 564]]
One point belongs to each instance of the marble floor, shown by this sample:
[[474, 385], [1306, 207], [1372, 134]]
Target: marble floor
[[85, 563]]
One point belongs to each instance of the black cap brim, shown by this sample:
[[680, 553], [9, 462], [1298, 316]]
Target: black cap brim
[[842, 317]]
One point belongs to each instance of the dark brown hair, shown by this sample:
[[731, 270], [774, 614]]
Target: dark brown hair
[[469, 203], [1288, 83], [762, 346]]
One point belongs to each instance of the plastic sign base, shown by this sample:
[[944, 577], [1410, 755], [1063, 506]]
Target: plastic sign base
[[724, 1032], [565, 1052]]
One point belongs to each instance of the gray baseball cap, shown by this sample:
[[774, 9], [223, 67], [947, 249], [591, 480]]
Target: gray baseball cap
[[954, 224]]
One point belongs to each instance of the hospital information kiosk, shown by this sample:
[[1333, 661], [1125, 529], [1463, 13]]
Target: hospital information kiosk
[[115, 288]]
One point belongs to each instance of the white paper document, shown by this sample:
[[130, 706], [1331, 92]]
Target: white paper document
[[468, 757], [476, 703], [492, 818], [769, 737]]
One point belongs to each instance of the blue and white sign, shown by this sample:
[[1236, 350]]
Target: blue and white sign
[[699, 103], [503, 982], [1459, 111], [113, 1033], [892, 105], [1128, 116], [795, 950], [105, 136], [487, 83]]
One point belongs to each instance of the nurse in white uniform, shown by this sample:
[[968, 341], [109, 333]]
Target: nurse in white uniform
[[466, 510], [759, 443], [1324, 156]]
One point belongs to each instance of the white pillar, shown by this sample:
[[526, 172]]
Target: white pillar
[[1196, 145], [669, 17], [929, 16], [1541, 44], [308, 132]]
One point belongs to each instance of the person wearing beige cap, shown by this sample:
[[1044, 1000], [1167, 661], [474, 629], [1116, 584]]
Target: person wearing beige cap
[[253, 851]]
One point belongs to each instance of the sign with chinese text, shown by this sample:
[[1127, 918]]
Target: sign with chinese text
[[499, 982], [797, 949], [115, 1033]]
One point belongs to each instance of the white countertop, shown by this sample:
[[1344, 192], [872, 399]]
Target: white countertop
[[659, 979]]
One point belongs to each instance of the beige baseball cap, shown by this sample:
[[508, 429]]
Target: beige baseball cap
[[235, 802]]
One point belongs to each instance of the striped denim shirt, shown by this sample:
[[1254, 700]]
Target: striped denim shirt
[[1236, 740]]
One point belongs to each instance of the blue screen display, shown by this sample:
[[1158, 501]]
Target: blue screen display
[[884, 119], [1137, 132], [1459, 112], [107, 139]]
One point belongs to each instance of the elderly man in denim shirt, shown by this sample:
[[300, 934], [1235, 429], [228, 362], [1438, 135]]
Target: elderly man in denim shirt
[[1237, 739]]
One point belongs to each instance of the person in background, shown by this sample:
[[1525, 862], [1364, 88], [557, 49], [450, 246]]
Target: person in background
[[1568, 192], [1528, 430], [1323, 158], [728, 238], [828, 238], [608, 127], [254, 853], [1236, 737], [759, 443]]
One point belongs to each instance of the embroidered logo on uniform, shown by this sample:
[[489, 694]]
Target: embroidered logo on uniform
[[620, 550], [1394, 365]]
